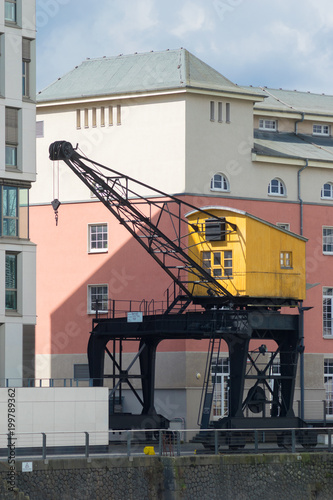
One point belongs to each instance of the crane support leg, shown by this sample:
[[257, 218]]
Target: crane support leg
[[96, 350], [289, 354], [147, 368], [238, 352]]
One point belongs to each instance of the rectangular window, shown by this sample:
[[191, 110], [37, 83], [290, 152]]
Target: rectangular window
[[215, 229], [11, 281], [227, 112], [206, 263], [217, 269], [118, 114], [327, 312], [328, 382], [9, 211], [86, 118], [110, 116], [10, 11], [81, 371], [283, 225], [321, 129], [97, 298], [218, 264], [78, 118], [212, 111], [26, 59], [11, 136], [227, 263], [94, 117], [328, 240], [219, 111], [14, 211], [268, 125], [39, 129], [286, 260], [98, 238], [102, 116]]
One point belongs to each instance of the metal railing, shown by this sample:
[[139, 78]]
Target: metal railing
[[163, 442]]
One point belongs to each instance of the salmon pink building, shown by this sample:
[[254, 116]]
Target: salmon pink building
[[172, 122]]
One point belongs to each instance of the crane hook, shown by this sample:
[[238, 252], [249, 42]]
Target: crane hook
[[55, 205]]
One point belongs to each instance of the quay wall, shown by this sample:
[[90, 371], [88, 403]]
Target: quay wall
[[222, 477]]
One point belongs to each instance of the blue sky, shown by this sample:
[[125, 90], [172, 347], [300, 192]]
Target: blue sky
[[276, 43]]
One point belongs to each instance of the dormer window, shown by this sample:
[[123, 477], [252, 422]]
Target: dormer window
[[321, 129], [270, 125]]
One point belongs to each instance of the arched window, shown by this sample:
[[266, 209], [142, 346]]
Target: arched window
[[276, 188], [219, 183], [327, 190]]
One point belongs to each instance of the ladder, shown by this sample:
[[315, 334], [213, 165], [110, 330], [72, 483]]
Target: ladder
[[208, 388]]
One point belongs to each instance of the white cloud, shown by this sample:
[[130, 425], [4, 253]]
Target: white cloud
[[275, 43], [193, 18]]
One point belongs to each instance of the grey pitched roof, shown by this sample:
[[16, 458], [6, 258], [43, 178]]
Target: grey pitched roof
[[151, 71], [293, 100], [289, 145]]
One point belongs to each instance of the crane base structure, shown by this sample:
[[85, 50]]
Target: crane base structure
[[270, 395]]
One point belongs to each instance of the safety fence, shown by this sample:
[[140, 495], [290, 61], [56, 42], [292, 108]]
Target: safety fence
[[163, 442]]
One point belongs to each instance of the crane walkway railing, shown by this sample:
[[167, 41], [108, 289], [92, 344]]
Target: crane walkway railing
[[120, 308]]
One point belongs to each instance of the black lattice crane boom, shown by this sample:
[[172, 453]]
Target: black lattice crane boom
[[155, 219]]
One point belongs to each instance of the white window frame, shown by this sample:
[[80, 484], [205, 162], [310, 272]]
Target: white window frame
[[327, 189], [281, 188], [92, 293], [328, 312], [328, 384], [320, 129], [91, 238], [266, 124], [217, 179], [327, 240]]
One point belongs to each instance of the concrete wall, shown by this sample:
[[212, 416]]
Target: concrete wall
[[242, 477], [50, 410]]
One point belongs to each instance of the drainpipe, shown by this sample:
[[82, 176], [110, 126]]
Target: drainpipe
[[299, 194], [299, 121], [301, 309]]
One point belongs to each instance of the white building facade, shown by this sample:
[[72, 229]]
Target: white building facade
[[17, 172]]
